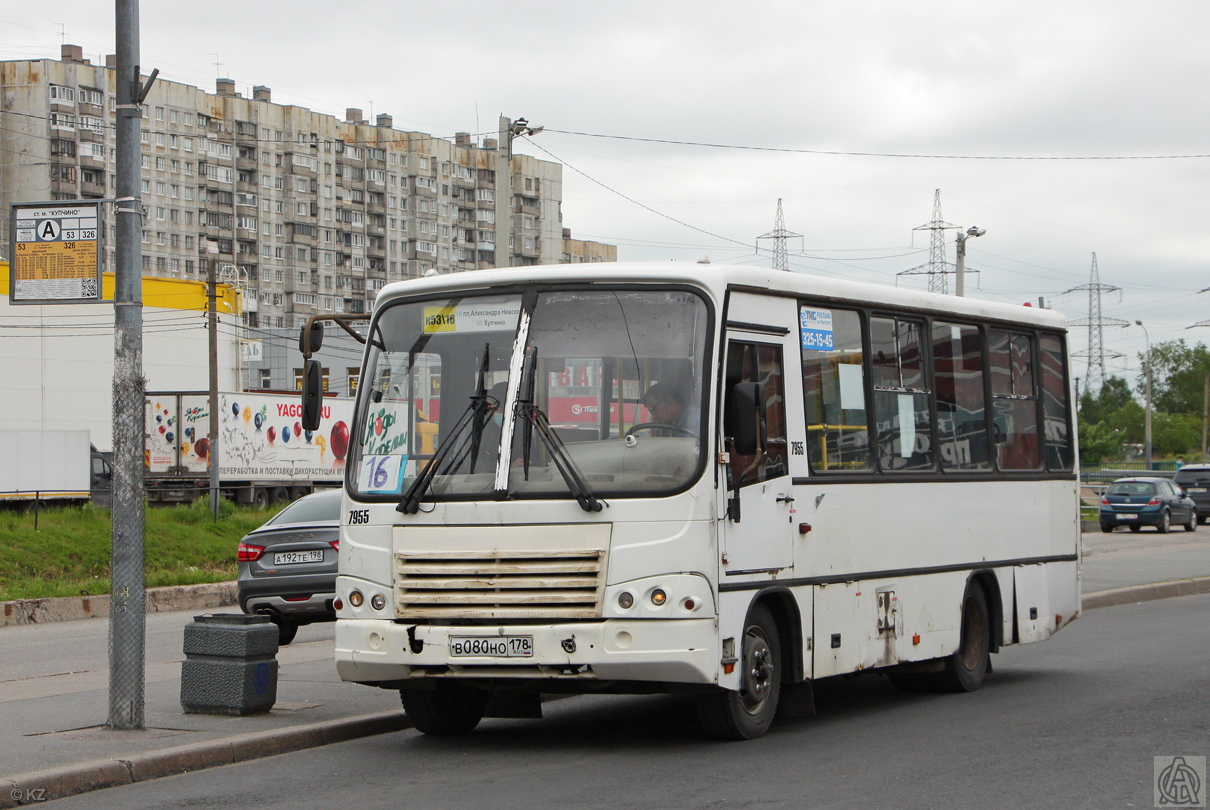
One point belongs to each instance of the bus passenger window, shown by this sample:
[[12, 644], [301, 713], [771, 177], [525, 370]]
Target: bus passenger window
[[902, 408], [1059, 455], [1014, 401], [833, 373], [755, 362], [961, 403]]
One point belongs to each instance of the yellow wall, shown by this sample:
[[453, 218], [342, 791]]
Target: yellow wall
[[168, 293]]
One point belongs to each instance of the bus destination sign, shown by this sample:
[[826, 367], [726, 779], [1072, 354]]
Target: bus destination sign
[[56, 253]]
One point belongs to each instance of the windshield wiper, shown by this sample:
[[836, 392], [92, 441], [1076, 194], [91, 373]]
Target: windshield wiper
[[535, 419], [476, 416]]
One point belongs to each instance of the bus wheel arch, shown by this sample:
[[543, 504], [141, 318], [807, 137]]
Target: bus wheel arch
[[788, 618], [990, 583]]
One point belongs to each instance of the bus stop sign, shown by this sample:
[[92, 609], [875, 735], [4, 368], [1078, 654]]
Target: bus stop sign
[[56, 252]]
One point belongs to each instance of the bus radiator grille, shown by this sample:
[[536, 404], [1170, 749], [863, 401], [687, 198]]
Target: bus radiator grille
[[506, 584]]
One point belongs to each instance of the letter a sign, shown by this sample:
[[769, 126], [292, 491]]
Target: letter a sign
[[57, 251]]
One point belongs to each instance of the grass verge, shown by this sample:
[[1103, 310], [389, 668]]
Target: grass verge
[[69, 553]]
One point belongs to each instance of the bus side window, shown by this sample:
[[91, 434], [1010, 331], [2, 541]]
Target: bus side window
[[756, 362], [961, 402], [1059, 455], [1014, 401], [833, 374], [902, 398]]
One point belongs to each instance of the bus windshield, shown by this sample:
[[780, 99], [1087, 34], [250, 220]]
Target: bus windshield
[[608, 383]]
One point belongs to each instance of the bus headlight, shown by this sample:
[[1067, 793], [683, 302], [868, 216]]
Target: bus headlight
[[658, 597], [625, 600], [378, 601], [356, 599]]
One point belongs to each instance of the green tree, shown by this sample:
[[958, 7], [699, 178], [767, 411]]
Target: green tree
[[1178, 374], [1112, 397]]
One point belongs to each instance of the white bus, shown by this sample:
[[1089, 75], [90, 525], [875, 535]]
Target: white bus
[[723, 481]]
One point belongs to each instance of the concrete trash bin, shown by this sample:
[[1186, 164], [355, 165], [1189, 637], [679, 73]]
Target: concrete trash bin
[[230, 665]]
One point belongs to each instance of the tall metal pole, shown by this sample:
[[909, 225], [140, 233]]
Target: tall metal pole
[[127, 626], [1147, 415], [1205, 413], [960, 266], [212, 322]]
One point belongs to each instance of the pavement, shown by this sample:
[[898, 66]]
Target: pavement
[[54, 680]]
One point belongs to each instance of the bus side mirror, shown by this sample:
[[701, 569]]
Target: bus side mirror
[[312, 394], [744, 420], [311, 339]]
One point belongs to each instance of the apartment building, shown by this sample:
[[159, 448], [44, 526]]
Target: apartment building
[[308, 213]]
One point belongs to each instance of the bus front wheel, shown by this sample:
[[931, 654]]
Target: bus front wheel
[[451, 708], [748, 713]]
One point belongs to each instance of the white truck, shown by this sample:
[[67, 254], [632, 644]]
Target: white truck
[[51, 466], [264, 454]]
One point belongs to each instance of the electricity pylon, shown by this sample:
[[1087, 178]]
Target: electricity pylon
[[779, 235], [1096, 323]]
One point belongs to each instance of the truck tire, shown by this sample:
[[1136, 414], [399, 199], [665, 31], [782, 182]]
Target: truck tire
[[281, 495], [260, 498]]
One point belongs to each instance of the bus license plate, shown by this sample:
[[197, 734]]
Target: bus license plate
[[291, 557], [492, 646]]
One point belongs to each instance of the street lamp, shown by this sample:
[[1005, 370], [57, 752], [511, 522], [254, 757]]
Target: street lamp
[[960, 263], [1147, 417]]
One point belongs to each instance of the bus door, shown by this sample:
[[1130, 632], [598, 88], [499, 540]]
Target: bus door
[[760, 530]]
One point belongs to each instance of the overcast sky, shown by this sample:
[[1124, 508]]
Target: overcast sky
[[896, 81]]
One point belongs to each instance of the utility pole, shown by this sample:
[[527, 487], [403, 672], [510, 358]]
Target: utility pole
[[127, 609], [1147, 414], [960, 259], [1205, 414], [504, 185]]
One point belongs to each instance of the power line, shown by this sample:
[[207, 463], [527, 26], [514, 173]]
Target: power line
[[840, 153]]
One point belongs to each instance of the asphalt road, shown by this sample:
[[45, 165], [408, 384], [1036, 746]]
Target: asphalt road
[[1069, 723]]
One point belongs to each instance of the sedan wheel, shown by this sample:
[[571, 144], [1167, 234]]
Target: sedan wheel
[[1191, 526], [1165, 522]]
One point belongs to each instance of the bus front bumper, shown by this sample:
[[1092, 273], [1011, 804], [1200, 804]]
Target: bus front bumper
[[671, 651]]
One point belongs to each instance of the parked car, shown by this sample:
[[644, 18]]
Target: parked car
[[1139, 502], [1195, 480], [287, 568]]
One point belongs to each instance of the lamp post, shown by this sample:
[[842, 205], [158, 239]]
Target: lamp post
[[1147, 413], [960, 259]]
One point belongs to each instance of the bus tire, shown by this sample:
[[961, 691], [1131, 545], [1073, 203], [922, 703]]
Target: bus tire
[[966, 668], [748, 713], [451, 708]]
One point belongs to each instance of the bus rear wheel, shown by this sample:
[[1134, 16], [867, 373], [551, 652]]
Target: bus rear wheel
[[748, 713], [451, 708], [966, 669]]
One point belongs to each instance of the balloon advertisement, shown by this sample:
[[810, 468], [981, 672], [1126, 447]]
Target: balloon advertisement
[[260, 436]]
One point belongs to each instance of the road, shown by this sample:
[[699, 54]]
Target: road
[[1073, 722]]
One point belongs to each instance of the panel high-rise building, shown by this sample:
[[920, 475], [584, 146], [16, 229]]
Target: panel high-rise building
[[311, 214]]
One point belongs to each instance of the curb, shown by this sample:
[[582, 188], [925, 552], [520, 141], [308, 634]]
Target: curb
[[1146, 593], [59, 783], [158, 600]]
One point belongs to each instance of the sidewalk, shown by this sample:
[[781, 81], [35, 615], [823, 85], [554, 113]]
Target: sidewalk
[[54, 685]]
